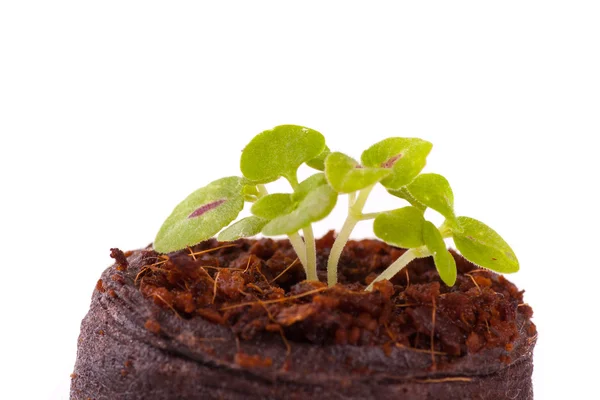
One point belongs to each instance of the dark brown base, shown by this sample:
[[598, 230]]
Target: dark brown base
[[120, 358]]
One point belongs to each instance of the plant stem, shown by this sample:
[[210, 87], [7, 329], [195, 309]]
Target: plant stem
[[354, 215], [445, 229], [400, 263], [368, 216], [336, 249], [262, 190], [311, 254], [359, 204], [351, 199], [295, 239], [299, 248]]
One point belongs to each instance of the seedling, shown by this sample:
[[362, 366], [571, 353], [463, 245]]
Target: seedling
[[395, 163]]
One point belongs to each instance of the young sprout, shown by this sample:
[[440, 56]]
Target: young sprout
[[395, 163], [272, 154]]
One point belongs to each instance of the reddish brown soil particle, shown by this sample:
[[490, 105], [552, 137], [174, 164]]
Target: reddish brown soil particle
[[252, 361], [152, 325], [257, 287], [101, 332], [112, 293], [73, 375], [505, 359], [120, 258], [118, 278], [100, 286]]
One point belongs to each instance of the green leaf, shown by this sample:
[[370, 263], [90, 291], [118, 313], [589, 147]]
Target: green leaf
[[315, 206], [308, 185], [402, 227], [202, 214], [481, 245], [273, 205], [405, 156], [434, 191], [403, 193], [444, 262], [346, 175], [319, 161], [245, 227], [279, 152]]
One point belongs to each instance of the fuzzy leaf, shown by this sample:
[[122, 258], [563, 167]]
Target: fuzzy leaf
[[308, 185], [434, 191], [405, 156], [402, 227], [243, 228], [346, 175], [315, 206], [319, 161], [273, 205], [202, 214], [481, 245], [279, 152], [403, 193], [444, 262]]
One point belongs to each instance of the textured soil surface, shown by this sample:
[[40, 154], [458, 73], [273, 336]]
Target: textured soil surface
[[211, 311]]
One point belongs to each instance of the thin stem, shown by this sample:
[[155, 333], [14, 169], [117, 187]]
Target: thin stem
[[364, 217], [299, 248], [262, 190], [336, 249], [293, 180], [295, 239], [400, 263], [351, 199], [311, 254], [361, 200], [354, 212], [445, 229]]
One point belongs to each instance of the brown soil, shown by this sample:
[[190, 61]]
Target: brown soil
[[257, 288]]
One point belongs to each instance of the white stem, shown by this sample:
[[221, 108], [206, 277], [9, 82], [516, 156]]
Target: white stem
[[336, 249], [262, 190], [299, 248], [400, 263], [311, 254], [355, 208], [359, 204], [351, 199], [368, 216]]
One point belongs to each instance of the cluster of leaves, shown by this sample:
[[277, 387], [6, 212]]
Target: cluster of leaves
[[395, 163]]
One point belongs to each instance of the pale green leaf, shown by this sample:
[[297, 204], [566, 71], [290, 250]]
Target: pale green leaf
[[402, 227], [308, 185], [433, 191], [202, 214], [315, 206], [346, 175], [245, 227], [405, 156], [444, 262], [319, 161], [403, 193], [273, 205], [279, 152], [481, 245]]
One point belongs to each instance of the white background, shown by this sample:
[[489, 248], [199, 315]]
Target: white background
[[112, 112]]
